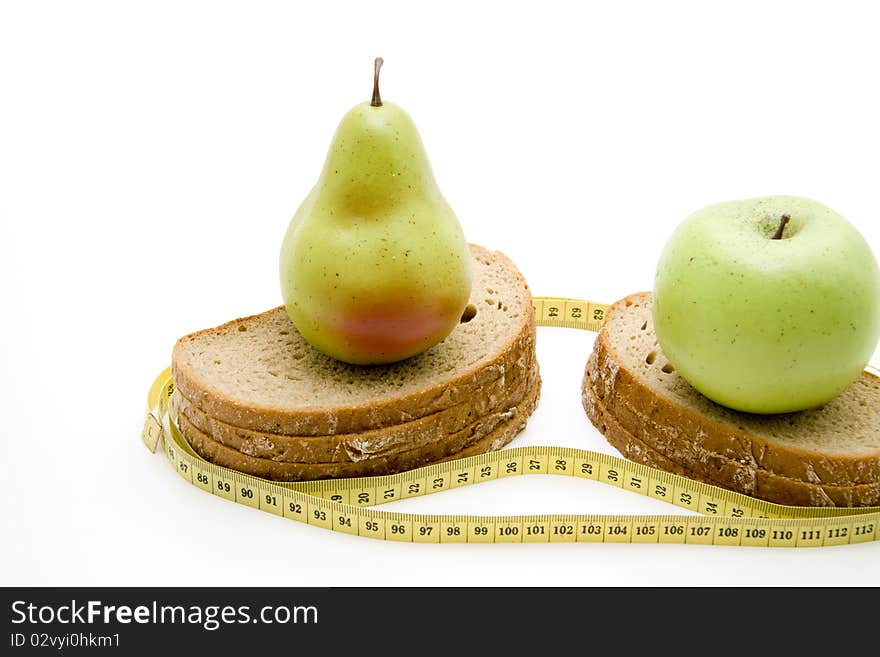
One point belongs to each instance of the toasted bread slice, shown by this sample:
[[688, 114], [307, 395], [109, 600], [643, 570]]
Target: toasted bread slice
[[259, 373], [488, 433], [498, 394], [837, 445]]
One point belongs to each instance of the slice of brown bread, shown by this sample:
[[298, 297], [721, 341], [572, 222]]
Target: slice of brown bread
[[498, 394], [760, 483], [489, 433], [258, 372], [723, 471], [837, 444]]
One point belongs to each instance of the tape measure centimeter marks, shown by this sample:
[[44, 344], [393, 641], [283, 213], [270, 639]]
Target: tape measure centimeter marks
[[347, 505], [570, 313]]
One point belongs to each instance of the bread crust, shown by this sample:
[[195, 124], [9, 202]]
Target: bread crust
[[500, 361], [352, 447], [626, 395], [717, 471], [489, 433]]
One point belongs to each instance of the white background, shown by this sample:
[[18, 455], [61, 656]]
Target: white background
[[152, 154]]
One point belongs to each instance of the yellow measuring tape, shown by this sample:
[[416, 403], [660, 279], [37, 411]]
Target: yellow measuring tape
[[347, 505]]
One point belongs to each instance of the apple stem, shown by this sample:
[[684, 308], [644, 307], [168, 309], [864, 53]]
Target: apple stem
[[783, 220], [377, 99]]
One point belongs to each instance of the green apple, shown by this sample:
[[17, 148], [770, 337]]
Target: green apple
[[767, 305]]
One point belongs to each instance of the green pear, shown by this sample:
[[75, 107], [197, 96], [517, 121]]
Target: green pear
[[374, 265]]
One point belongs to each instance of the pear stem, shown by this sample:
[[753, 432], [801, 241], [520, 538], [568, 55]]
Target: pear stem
[[377, 99], [783, 220]]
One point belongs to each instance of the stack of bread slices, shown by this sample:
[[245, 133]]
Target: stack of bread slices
[[828, 456], [254, 396]]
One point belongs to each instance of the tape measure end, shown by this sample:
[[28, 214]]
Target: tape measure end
[[152, 432]]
